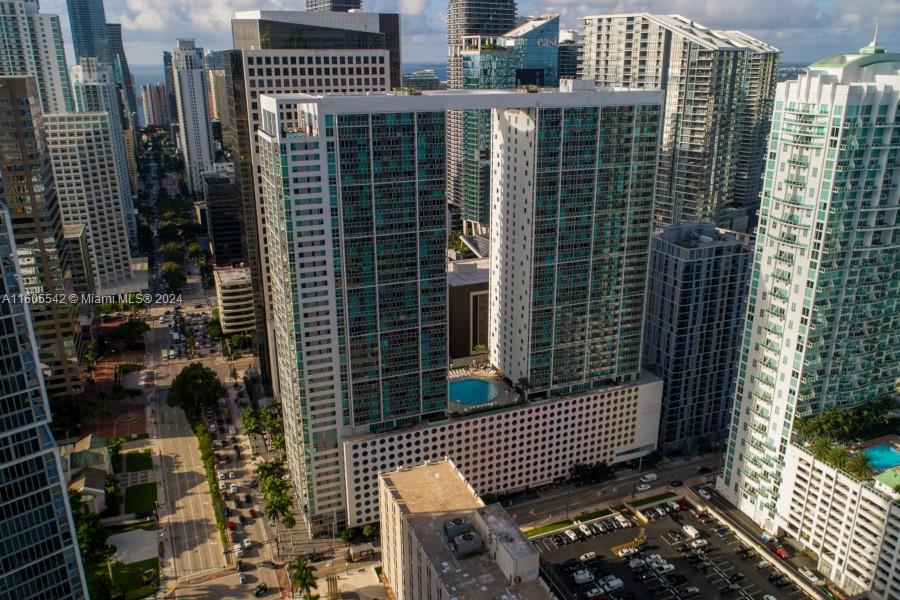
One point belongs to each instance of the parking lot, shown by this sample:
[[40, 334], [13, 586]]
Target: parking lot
[[660, 560]]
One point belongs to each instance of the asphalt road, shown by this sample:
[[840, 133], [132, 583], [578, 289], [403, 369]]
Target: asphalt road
[[568, 501]]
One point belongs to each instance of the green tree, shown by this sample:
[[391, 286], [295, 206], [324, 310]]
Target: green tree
[[92, 539], [858, 466], [821, 448], [173, 275], [347, 535], [195, 250], [839, 457], [250, 419], [214, 328], [195, 388], [369, 531], [172, 251], [303, 575]]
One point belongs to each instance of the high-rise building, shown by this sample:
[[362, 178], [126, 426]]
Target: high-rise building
[[425, 79], [823, 315], [88, 170], [33, 47], [467, 18], [87, 22], [717, 84], [191, 94], [39, 547], [474, 17], [170, 87], [524, 56], [28, 189], [569, 317], [223, 217], [216, 92], [333, 5], [357, 255], [363, 50], [155, 100], [431, 518], [696, 295], [94, 89], [570, 42], [120, 63]]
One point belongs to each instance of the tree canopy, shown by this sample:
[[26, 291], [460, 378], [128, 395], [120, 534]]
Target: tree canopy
[[195, 388]]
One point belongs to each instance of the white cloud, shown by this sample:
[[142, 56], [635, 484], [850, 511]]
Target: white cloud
[[805, 30]]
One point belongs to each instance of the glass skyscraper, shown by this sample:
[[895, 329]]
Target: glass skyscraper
[[37, 534], [355, 203], [823, 315]]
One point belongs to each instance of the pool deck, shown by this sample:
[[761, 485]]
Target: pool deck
[[506, 395], [891, 476]]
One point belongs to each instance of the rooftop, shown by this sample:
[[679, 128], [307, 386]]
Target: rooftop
[[432, 494], [530, 25], [701, 235], [468, 272], [232, 276]]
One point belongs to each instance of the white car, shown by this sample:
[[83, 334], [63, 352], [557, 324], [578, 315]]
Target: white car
[[643, 487], [769, 597], [808, 574], [626, 552], [222, 485], [233, 489], [704, 493], [231, 475], [587, 556], [221, 475], [248, 543], [662, 569], [648, 477]]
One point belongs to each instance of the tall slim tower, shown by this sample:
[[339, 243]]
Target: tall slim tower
[[191, 92], [31, 45], [170, 87], [28, 189], [40, 550], [363, 54], [120, 63], [87, 21], [717, 94], [823, 316]]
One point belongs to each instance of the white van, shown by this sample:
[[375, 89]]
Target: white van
[[691, 532], [238, 551], [571, 535], [648, 477]]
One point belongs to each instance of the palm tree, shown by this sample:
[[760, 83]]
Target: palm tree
[[858, 466], [839, 457], [303, 576], [821, 448]]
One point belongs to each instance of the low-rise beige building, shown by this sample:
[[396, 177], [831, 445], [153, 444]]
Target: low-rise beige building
[[234, 292], [440, 541]]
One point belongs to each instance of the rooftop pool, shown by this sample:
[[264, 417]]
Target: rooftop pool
[[472, 392], [883, 456]]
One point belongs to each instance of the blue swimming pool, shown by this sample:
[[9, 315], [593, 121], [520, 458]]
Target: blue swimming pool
[[472, 391], [883, 456]]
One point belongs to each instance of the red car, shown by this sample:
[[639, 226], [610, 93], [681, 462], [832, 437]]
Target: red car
[[253, 512], [230, 525]]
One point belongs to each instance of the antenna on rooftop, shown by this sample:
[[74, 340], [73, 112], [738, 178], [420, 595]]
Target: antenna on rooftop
[[875, 37]]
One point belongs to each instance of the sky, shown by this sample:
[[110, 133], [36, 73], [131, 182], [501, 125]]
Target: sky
[[804, 30]]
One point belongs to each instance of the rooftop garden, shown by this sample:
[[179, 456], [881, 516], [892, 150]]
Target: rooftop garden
[[829, 436]]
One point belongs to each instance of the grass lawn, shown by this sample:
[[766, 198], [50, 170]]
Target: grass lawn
[[147, 526], [653, 499], [139, 498], [548, 528], [138, 461], [593, 515], [130, 578]]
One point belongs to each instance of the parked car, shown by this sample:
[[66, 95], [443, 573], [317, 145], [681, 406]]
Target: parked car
[[648, 477], [676, 483], [704, 493], [260, 590], [643, 487], [242, 577], [587, 556]]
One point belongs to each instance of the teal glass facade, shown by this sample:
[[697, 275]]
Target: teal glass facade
[[392, 270], [592, 216]]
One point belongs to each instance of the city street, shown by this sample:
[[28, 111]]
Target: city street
[[568, 500]]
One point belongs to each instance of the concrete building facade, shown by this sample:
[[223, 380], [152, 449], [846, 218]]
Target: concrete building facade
[[718, 87], [191, 93], [234, 292], [823, 320], [154, 99], [91, 192], [441, 541]]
